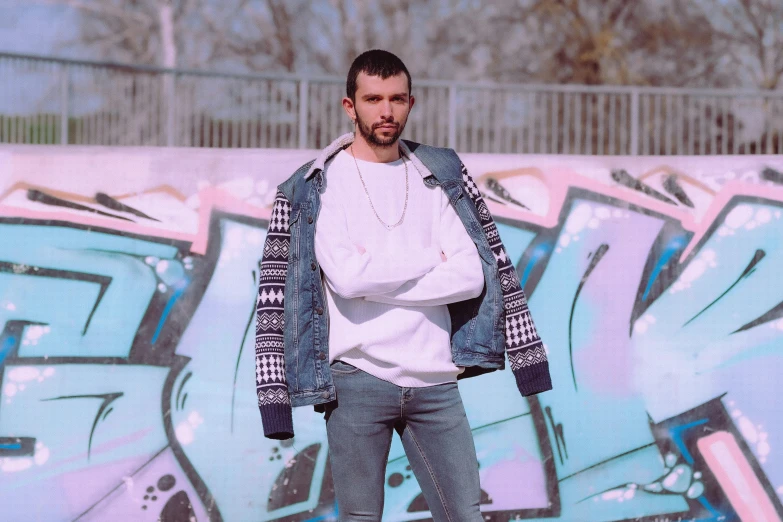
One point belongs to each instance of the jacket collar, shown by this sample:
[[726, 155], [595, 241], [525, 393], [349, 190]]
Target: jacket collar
[[345, 140]]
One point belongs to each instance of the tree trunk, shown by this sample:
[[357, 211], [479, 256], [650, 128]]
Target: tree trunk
[[168, 47]]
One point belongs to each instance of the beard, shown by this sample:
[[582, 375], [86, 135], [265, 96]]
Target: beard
[[368, 132]]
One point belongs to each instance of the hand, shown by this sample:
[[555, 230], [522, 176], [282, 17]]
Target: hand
[[443, 256]]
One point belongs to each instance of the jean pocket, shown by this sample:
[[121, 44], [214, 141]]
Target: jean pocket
[[343, 368]]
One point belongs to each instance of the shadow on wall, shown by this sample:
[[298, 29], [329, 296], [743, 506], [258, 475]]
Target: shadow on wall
[[126, 353]]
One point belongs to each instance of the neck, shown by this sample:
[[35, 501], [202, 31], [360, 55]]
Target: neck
[[362, 150]]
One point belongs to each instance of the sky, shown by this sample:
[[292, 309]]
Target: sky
[[30, 27], [33, 28]]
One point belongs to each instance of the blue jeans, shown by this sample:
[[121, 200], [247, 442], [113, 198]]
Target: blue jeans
[[435, 433]]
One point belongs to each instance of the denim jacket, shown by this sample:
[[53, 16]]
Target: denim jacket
[[292, 335]]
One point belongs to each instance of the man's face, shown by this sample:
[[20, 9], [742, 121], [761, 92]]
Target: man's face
[[382, 108]]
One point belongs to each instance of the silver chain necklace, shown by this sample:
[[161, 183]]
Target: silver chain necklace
[[404, 208]]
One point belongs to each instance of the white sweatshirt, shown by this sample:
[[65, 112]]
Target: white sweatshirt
[[387, 290]]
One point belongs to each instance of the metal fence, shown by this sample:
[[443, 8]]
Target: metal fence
[[54, 101]]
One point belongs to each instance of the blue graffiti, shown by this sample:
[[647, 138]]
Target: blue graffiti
[[161, 337]]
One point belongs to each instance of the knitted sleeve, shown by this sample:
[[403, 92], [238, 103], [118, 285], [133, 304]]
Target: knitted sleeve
[[524, 348], [271, 386]]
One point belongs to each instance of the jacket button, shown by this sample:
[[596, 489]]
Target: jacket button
[[319, 310], [322, 356], [310, 219], [312, 265], [325, 395]]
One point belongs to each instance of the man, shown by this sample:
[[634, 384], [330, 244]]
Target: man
[[383, 281]]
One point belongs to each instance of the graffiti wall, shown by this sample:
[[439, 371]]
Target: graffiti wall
[[127, 293]]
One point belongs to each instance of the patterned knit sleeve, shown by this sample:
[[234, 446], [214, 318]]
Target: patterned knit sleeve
[[524, 347], [271, 386]]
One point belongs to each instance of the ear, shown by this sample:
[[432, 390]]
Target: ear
[[411, 101], [349, 108]]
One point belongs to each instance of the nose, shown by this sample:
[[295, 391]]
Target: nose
[[386, 111]]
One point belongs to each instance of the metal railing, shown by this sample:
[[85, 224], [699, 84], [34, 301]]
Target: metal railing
[[56, 101]]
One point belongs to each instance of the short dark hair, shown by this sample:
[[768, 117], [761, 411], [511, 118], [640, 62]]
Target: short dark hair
[[375, 62]]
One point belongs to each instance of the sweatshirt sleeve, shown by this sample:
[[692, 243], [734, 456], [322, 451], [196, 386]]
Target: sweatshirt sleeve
[[524, 347], [271, 385], [458, 278], [352, 274]]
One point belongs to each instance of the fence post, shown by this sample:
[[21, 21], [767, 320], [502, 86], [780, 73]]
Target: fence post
[[304, 93], [452, 141], [169, 98], [65, 95], [634, 122]]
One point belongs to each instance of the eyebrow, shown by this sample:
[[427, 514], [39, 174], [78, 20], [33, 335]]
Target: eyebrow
[[372, 95]]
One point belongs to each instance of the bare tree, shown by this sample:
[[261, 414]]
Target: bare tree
[[151, 32], [672, 44], [581, 41], [585, 42], [266, 35], [656, 42], [317, 37], [154, 32], [753, 33], [490, 41]]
